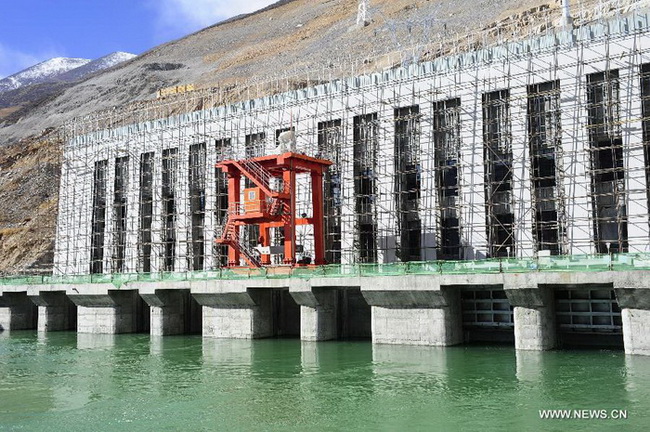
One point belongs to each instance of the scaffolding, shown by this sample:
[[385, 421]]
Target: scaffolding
[[527, 148]]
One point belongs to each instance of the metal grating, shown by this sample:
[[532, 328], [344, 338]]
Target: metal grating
[[486, 309], [594, 311]]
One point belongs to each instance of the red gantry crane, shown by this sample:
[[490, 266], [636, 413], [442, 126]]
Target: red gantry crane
[[270, 206]]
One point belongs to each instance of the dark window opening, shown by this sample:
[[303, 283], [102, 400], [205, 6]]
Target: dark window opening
[[329, 147], [544, 135], [446, 137], [607, 169], [365, 184], [197, 204], [119, 212], [408, 181], [146, 209], [498, 174], [223, 152], [99, 218], [169, 178]]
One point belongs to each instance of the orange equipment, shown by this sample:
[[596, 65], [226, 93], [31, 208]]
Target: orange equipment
[[267, 207]]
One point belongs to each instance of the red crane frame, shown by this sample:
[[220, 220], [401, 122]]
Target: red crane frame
[[278, 207]]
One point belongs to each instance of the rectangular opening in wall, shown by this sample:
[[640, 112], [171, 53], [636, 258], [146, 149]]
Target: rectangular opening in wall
[[99, 218], [197, 205], [169, 178], [366, 128], [545, 141], [286, 314], [588, 318], [119, 212], [354, 315], [223, 152], [330, 137], [607, 169], [146, 210], [498, 174], [487, 316], [407, 176], [446, 140], [645, 122]]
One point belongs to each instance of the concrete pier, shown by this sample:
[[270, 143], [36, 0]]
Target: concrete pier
[[413, 311], [318, 313], [172, 312], [55, 311], [635, 316], [237, 315], [534, 318], [17, 312], [116, 311], [407, 309]]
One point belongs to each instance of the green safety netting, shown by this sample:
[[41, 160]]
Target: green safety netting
[[565, 263]]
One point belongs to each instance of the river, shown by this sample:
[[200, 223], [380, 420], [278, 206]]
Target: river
[[75, 382]]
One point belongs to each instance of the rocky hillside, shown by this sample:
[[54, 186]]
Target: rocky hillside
[[291, 42]]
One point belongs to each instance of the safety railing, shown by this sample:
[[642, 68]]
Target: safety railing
[[568, 263]]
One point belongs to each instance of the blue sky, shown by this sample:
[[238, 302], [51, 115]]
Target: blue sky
[[32, 31]]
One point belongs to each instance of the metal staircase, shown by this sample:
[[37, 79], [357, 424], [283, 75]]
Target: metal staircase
[[230, 232], [230, 236]]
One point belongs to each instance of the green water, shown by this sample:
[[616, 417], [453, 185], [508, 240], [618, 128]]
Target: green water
[[70, 382]]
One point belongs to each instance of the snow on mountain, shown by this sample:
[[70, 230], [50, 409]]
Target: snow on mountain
[[100, 64], [46, 71]]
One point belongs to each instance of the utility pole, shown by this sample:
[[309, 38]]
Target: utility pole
[[567, 21], [362, 14]]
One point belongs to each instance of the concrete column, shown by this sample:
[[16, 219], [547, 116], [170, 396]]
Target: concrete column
[[17, 312], [575, 161], [523, 230], [634, 159], [110, 313], [415, 317], [635, 317], [171, 312], [534, 316], [318, 313], [471, 176], [55, 311], [237, 315]]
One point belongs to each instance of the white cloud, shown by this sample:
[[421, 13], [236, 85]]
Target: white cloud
[[179, 17], [12, 61]]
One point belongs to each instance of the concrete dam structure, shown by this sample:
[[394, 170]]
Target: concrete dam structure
[[496, 195]]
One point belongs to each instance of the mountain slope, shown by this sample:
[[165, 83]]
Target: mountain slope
[[102, 63], [46, 71]]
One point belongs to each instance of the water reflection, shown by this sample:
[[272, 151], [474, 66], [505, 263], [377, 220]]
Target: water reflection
[[238, 352], [95, 341], [637, 377], [529, 366]]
